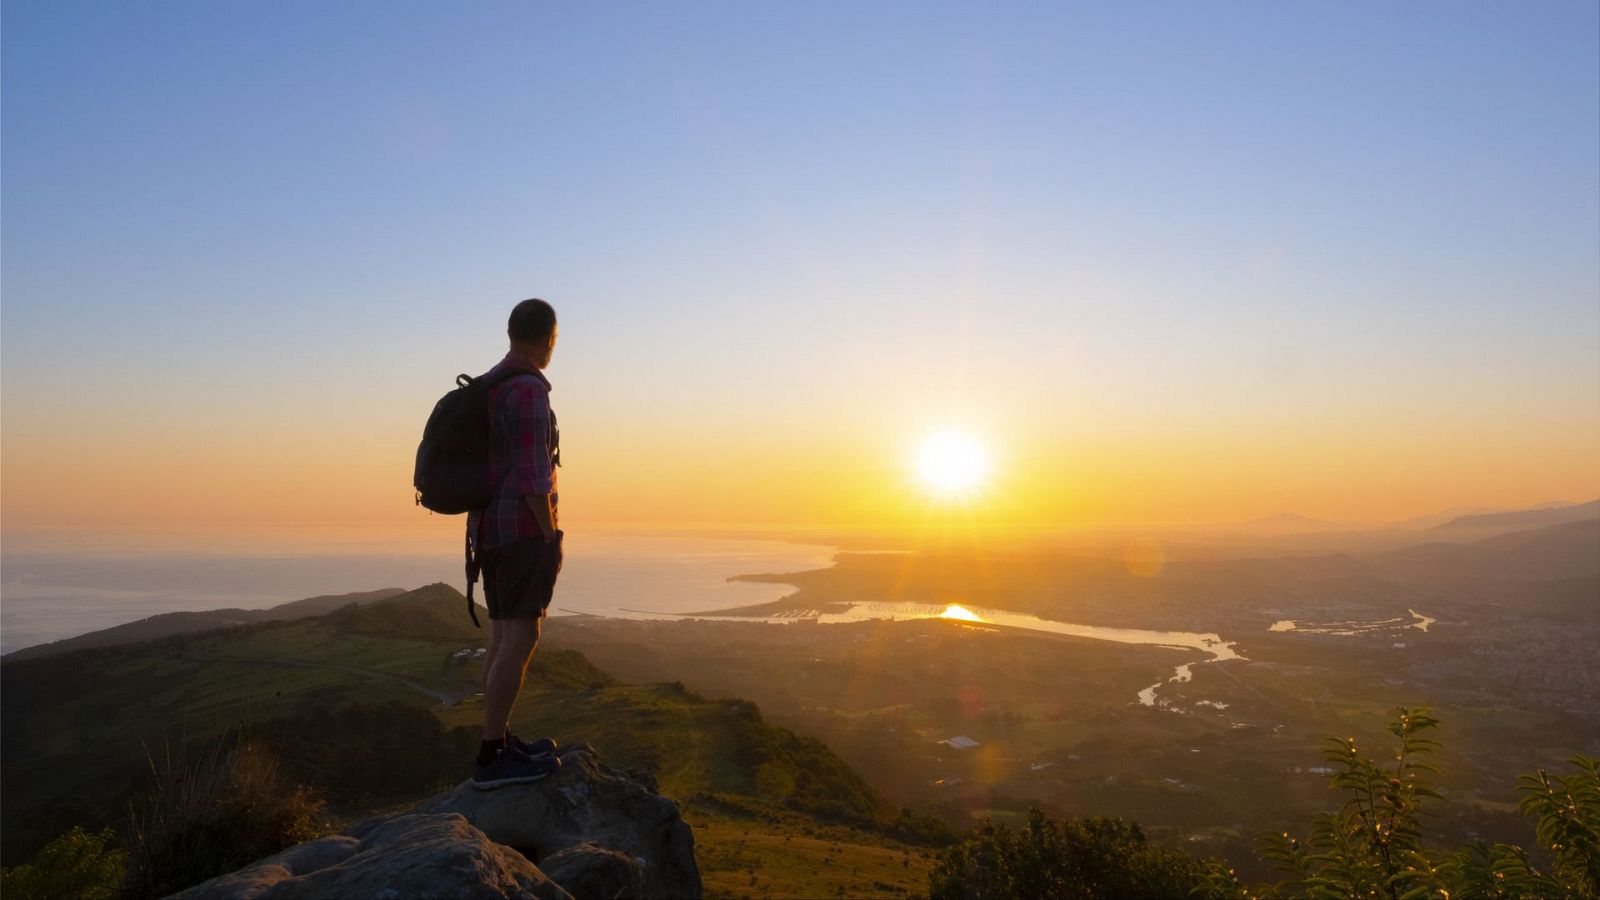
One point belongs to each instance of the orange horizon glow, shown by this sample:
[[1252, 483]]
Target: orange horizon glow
[[857, 472], [774, 483]]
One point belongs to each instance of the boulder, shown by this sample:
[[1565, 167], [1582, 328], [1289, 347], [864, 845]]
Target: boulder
[[416, 855], [591, 871], [587, 821], [588, 830]]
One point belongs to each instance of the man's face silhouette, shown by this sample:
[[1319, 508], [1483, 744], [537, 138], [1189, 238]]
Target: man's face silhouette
[[548, 350]]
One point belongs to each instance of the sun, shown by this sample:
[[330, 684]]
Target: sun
[[952, 462]]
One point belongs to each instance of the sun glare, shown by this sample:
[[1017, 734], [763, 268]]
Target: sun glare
[[952, 461], [957, 611]]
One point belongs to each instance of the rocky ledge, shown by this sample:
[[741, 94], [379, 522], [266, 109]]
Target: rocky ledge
[[587, 831]]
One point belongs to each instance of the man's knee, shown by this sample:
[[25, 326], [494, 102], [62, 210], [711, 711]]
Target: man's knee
[[517, 636]]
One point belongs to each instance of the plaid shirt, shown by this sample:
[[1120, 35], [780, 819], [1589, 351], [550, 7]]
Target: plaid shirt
[[519, 457]]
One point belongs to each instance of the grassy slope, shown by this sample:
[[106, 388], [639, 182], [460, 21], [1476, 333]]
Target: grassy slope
[[756, 852], [76, 725], [747, 843], [168, 624]]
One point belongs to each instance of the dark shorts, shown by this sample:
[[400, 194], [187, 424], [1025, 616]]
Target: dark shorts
[[520, 577]]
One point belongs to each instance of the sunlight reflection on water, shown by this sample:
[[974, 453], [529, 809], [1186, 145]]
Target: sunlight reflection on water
[[1208, 643]]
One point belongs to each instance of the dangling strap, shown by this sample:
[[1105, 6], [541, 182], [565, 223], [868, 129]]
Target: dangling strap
[[472, 578], [555, 439]]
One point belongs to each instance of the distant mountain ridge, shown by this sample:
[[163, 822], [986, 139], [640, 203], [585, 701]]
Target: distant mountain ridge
[[1521, 519], [1562, 551], [169, 624]]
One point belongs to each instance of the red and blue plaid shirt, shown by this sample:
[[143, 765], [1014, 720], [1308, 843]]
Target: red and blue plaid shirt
[[519, 457]]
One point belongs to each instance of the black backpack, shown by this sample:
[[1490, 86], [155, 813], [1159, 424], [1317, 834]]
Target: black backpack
[[452, 470]]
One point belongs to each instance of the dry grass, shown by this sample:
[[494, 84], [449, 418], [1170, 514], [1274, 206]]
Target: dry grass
[[214, 811]]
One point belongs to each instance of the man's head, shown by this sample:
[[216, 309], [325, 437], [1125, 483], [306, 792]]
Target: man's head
[[532, 329]]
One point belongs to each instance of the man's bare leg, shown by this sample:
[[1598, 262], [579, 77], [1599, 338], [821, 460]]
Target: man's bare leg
[[494, 650], [511, 644]]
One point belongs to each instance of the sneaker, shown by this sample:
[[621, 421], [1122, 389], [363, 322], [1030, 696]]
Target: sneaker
[[512, 767], [540, 747]]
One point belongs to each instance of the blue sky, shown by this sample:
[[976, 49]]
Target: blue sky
[[1133, 216]]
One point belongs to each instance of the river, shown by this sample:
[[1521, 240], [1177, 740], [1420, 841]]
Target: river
[[1212, 645]]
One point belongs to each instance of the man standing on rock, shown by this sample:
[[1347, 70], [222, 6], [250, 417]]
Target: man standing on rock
[[517, 542]]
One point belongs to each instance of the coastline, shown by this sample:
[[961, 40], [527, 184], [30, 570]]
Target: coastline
[[55, 596]]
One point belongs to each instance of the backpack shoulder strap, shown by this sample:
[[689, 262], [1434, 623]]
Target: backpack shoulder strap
[[490, 380]]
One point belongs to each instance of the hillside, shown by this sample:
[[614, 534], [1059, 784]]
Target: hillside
[[169, 624], [1562, 551], [92, 712], [367, 705]]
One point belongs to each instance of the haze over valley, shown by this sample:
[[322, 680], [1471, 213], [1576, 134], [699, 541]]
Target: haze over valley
[[962, 681]]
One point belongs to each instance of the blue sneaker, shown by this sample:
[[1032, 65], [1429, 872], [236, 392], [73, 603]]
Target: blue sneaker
[[513, 767], [540, 747]]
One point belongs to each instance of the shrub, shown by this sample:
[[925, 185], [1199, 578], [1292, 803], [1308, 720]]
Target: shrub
[[1087, 858], [209, 815], [1568, 813], [1372, 845], [917, 828], [76, 864]]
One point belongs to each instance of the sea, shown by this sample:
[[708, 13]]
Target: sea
[[47, 594]]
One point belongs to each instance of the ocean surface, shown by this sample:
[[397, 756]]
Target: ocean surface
[[47, 596]]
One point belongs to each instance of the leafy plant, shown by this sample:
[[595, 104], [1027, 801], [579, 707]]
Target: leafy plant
[[1372, 845], [1568, 810], [76, 864]]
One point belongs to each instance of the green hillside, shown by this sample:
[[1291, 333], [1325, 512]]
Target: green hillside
[[775, 814], [368, 705], [168, 624], [695, 746], [76, 725]]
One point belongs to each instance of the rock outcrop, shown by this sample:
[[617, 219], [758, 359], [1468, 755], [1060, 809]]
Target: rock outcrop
[[586, 831], [406, 856]]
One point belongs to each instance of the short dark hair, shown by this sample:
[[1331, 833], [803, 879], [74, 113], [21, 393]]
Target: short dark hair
[[531, 320]]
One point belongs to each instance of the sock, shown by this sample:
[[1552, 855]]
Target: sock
[[488, 750]]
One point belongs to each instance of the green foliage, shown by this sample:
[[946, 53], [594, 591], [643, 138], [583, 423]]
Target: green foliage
[[798, 772], [920, 828], [567, 669], [1372, 845], [214, 813], [1499, 871], [76, 864], [1086, 858], [1568, 811]]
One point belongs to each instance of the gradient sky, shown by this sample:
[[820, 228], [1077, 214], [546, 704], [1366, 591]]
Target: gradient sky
[[1172, 261]]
